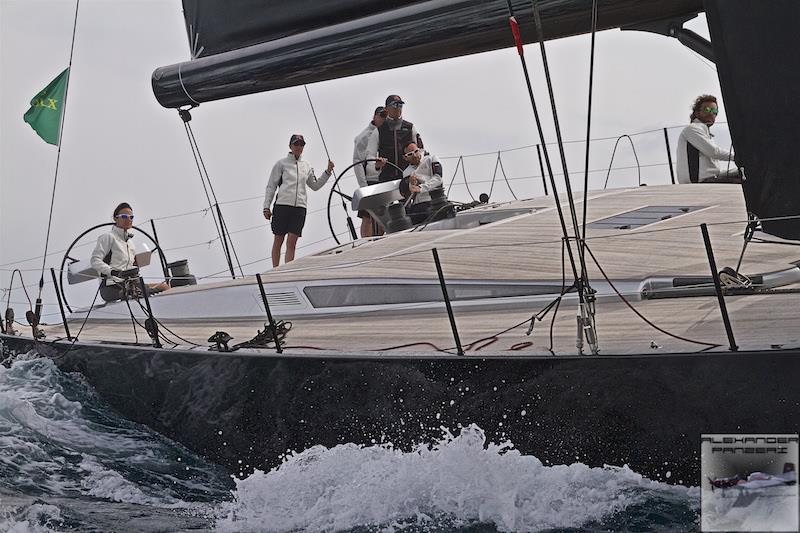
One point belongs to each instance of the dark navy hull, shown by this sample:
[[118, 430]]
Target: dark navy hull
[[645, 411]]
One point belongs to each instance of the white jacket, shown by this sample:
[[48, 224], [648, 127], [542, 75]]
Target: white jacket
[[698, 154], [427, 178], [289, 178], [122, 252], [366, 147]]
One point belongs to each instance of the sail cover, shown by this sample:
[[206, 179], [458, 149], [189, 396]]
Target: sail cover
[[756, 51], [249, 46]]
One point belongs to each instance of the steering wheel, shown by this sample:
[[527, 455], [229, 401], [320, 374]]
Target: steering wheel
[[60, 287], [335, 189]]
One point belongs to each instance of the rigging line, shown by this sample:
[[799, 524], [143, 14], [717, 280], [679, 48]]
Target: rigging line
[[133, 320], [503, 170], [328, 155], [572, 141], [570, 197], [518, 40], [588, 131], [10, 287], [202, 179], [58, 156], [464, 173], [494, 175], [592, 171], [640, 315], [264, 259], [228, 233], [204, 172], [85, 320], [455, 173], [614, 152], [164, 337]]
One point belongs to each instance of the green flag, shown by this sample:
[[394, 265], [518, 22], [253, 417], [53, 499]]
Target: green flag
[[45, 113]]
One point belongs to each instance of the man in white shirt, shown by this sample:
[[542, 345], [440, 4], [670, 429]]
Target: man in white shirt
[[698, 153], [422, 175], [366, 147]]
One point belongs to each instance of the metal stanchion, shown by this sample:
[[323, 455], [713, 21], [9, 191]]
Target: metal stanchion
[[447, 301], [153, 324], [161, 258], [60, 304], [718, 287], [669, 156], [269, 314]]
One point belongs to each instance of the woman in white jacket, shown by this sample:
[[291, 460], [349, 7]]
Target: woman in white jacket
[[114, 253], [288, 179]]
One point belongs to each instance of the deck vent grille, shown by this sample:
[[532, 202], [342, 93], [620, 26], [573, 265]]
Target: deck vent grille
[[643, 216], [283, 298]]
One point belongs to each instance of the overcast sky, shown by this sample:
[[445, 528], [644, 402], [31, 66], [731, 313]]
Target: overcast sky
[[119, 144]]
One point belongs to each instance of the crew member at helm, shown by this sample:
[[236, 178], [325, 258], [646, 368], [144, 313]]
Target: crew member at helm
[[114, 254], [393, 135]]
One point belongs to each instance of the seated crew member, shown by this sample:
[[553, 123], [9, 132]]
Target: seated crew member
[[698, 153], [114, 253], [422, 175], [289, 178], [366, 147]]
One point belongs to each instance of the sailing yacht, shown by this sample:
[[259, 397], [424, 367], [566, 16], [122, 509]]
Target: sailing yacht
[[614, 340]]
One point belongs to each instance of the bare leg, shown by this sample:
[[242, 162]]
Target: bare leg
[[377, 229], [366, 227], [277, 244], [291, 244]]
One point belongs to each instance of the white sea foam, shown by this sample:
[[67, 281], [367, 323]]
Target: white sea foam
[[460, 478], [36, 518]]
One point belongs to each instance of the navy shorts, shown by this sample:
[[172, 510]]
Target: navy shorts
[[288, 219]]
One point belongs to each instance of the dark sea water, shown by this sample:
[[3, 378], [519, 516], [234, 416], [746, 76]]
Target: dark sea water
[[68, 462]]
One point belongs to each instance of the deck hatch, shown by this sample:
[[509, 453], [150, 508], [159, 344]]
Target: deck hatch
[[643, 216]]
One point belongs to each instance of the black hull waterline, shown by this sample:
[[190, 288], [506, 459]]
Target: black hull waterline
[[245, 410]]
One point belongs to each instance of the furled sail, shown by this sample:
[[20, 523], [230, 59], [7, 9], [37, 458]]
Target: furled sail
[[250, 46], [757, 58]]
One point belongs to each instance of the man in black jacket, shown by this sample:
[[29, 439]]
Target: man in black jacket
[[393, 135]]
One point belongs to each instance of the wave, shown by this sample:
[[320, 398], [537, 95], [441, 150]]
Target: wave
[[58, 438], [456, 483]]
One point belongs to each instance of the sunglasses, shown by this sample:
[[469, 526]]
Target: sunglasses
[[123, 216], [299, 143], [382, 114], [412, 152], [713, 110], [396, 105]]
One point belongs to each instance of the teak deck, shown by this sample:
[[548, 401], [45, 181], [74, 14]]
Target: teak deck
[[529, 247]]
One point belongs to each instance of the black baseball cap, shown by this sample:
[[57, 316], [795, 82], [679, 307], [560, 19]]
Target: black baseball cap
[[380, 110], [297, 138], [394, 99]]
